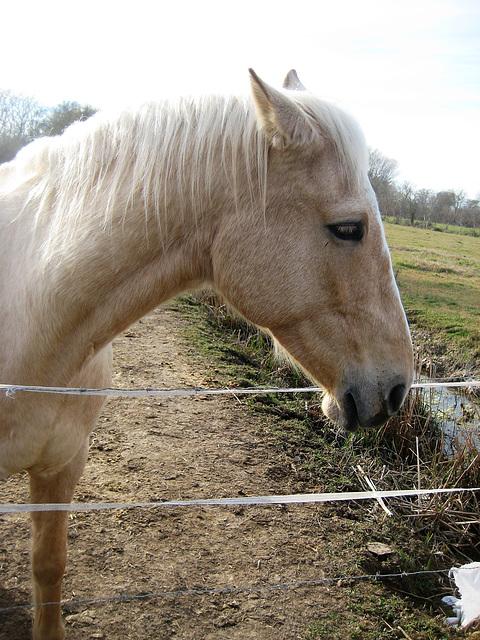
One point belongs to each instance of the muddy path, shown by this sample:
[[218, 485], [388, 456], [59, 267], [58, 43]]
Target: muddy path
[[149, 449]]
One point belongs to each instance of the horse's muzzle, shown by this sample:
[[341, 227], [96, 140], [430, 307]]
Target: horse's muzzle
[[367, 408]]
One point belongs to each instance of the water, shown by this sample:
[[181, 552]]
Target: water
[[458, 412]]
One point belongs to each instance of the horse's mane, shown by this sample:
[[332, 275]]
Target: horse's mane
[[343, 131], [162, 152]]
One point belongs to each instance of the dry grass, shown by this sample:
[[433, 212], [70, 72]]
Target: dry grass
[[451, 523]]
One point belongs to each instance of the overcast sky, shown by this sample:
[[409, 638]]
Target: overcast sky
[[409, 70]]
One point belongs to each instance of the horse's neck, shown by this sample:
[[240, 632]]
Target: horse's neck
[[79, 301], [129, 274]]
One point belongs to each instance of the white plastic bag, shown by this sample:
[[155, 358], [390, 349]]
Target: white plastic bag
[[467, 607]]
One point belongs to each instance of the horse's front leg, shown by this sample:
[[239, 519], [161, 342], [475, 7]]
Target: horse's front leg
[[49, 544]]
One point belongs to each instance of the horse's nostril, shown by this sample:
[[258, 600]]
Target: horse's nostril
[[350, 412], [395, 398]]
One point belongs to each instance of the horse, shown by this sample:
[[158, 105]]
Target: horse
[[262, 197]]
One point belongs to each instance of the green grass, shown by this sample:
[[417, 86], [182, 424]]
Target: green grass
[[435, 226], [438, 275], [378, 618]]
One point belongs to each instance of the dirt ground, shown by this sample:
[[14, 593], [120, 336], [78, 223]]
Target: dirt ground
[[179, 448]]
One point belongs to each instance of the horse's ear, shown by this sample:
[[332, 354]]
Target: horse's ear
[[292, 82], [282, 121]]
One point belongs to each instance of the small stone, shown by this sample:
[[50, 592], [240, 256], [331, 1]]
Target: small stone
[[380, 549], [84, 617]]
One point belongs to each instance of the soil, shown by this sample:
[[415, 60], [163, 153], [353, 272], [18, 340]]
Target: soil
[[154, 449]]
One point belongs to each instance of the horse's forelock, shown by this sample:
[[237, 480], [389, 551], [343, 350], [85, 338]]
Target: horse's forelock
[[345, 134]]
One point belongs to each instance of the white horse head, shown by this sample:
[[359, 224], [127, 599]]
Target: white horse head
[[315, 269]]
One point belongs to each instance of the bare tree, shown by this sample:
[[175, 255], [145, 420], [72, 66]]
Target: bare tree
[[381, 169], [471, 211], [22, 119], [408, 202], [459, 201], [19, 119], [382, 173], [62, 116], [442, 206], [423, 199]]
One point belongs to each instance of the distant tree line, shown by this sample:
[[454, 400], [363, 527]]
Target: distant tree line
[[419, 206], [22, 119]]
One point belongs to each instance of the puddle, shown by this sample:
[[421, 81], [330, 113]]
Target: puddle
[[458, 412]]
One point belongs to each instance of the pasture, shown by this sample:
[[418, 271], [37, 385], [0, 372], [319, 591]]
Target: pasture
[[438, 275]]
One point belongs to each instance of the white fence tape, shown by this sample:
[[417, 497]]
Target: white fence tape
[[301, 498], [11, 389], [139, 393]]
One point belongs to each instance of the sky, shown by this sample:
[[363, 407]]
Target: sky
[[408, 70]]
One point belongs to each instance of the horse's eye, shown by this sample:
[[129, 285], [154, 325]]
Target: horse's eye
[[347, 230]]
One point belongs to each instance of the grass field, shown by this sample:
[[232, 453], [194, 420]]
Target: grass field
[[439, 279], [436, 226]]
